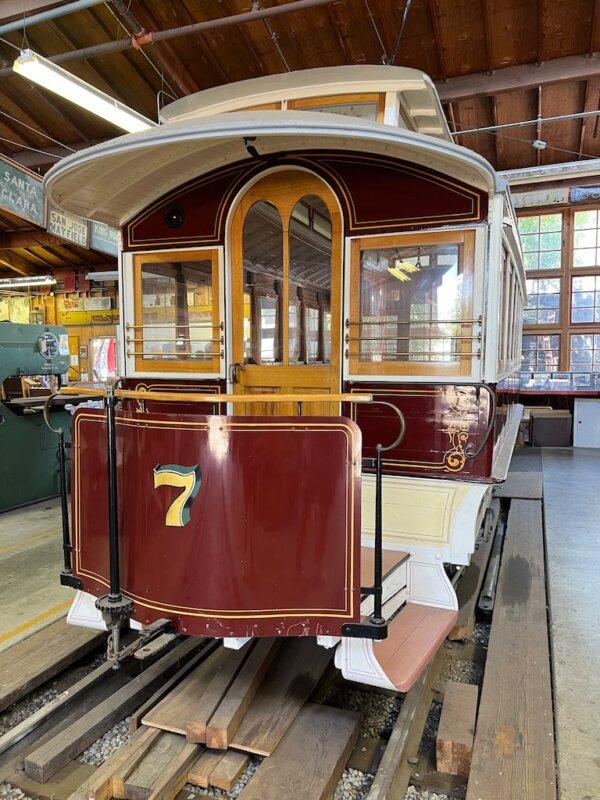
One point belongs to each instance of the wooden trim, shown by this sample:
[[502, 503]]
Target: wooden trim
[[142, 364], [565, 328], [284, 189], [462, 366], [341, 100]]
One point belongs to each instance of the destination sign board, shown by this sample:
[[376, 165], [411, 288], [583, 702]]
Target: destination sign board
[[68, 226], [21, 193], [104, 238]]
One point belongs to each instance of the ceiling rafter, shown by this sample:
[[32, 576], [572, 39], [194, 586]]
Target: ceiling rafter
[[435, 24]]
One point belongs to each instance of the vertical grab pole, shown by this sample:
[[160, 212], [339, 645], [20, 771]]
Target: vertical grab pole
[[377, 618], [115, 608], [64, 504], [113, 513]]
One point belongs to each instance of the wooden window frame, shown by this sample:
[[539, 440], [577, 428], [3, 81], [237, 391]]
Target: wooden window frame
[[565, 328], [462, 367], [341, 100], [201, 366], [548, 332]]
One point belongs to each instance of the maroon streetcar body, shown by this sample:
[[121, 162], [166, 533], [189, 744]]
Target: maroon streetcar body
[[272, 544]]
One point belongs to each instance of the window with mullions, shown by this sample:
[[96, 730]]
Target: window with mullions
[[540, 352], [541, 238], [411, 304], [585, 352], [585, 299], [543, 302], [586, 239]]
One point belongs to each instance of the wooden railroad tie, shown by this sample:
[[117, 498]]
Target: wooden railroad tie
[[456, 731]]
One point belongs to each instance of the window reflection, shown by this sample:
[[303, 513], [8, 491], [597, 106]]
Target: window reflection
[[263, 279], [412, 300], [177, 310], [310, 282]]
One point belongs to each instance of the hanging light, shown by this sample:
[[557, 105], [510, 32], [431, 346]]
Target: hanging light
[[402, 270], [33, 280], [55, 79]]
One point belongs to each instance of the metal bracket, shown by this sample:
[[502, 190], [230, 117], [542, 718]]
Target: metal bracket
[[115, 612], [67, 579], [365, 630]]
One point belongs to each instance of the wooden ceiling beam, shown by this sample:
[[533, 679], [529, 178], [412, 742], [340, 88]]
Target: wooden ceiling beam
[[17, 263], [435, 24], [20, 240], [525, 76]]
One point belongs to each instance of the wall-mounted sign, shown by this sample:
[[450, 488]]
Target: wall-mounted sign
[[540, 197], [97, 303], [21, 193], [585, 194], [68, 226], [104, 238]]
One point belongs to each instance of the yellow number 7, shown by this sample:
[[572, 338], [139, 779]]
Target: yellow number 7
[[189, 479]]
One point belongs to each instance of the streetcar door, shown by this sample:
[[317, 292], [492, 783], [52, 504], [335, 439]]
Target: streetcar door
[[286, 293]]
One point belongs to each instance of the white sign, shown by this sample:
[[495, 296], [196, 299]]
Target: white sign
[[541, 197], [97, 303], [67, 226]]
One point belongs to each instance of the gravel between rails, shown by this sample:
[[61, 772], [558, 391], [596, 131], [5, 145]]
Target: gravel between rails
[[412, 793], [379, 710], [8, 792], [102, 748]]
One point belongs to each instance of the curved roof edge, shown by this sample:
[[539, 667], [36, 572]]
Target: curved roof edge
[[112, 181], [420, 105]]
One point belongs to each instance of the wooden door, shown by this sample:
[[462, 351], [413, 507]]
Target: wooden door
[[286, 293]]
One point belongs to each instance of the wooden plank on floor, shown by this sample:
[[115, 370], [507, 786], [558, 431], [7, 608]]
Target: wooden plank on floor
[[227, 772], [200, 714], [456, 731], [299, 666], [231, 710], [309, 759], [50, 756], [201, 770], [33, 661], [521, 486], [136, 779], [174, 778], [146, 740], [513, 756], [171, 714], [470, 583], [165, 689]]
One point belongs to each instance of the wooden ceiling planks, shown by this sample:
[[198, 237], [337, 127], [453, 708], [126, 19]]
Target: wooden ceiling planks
[[445, 38]]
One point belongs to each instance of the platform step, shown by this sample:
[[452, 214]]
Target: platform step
[[414, 636], [394, 578]]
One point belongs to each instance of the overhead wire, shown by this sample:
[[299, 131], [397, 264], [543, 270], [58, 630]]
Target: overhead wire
[[36, 130], [401, 32], [530, 142], [384, 55]]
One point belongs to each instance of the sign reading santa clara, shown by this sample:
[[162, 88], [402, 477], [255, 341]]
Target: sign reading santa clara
[[21, 193]]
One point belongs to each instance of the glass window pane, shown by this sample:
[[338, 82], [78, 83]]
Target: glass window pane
[[531, 243], [585, 283], [310, 280], [263, 277], [529, 224], [585, 238], [410, 299], [550, 260], [582, 315], [551, 222], [531, 260], [586, 219], [550, 241], [177, 311], [584, 258]]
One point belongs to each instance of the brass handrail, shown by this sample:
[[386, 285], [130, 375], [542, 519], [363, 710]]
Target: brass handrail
[[442, 337], [174, 324], [128, 394], [180, 353], [477, 321]]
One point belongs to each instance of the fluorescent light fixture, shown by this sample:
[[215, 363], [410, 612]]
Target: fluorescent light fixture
[[102, 276], [27, 280], [55, 79]]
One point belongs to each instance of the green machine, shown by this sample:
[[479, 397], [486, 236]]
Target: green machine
[[29, 457]]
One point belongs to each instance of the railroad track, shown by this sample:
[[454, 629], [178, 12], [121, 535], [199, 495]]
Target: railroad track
[[197, 709]]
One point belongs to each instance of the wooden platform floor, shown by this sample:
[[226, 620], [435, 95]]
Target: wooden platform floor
[[30, 562], [572, 519]]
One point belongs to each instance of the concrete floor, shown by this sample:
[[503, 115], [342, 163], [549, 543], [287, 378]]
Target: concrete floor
[[572, 519], [30, 562]]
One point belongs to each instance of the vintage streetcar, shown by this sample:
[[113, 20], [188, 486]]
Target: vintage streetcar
[[320, 321]]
